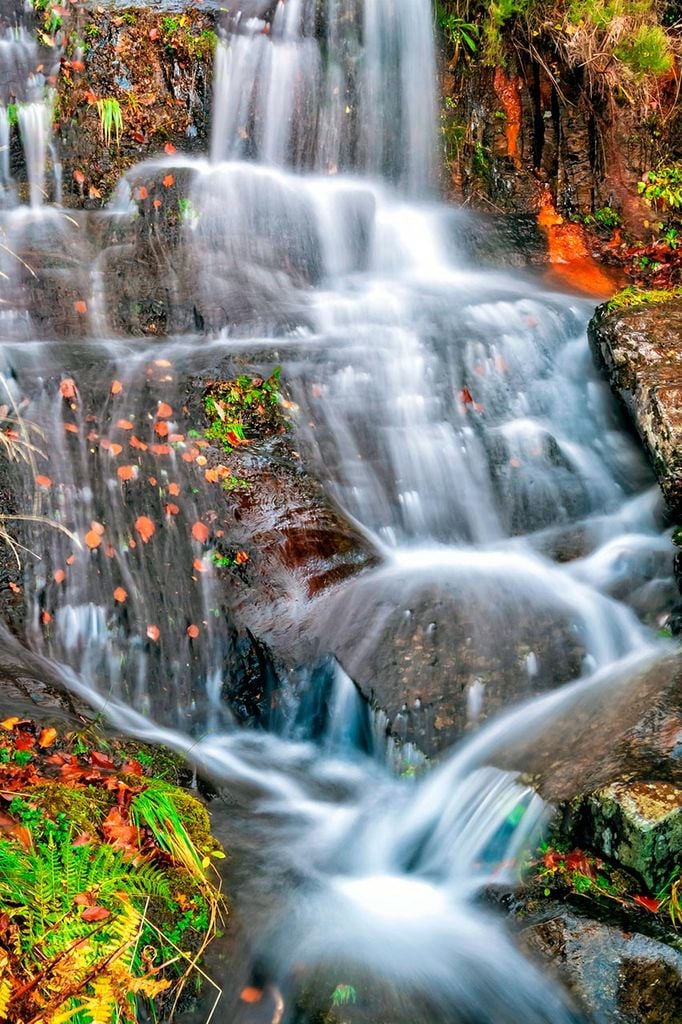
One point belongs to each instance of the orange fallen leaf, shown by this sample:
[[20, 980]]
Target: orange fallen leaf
[[125, 472], [95, 913], [91, 98], [172, 509], [110, 551], [251, 995], [120, 594], [176, 438], [141, 193], [145, 527], [71, 560], [45, 617], [68, 388], [116, 387], [59, 575], [78, 177], [161, 428], [80, 306], [168, 181], [190, 456], [174, 489], [164, 410], [192, 632], [152, 480], [198, 565], [9, 723], [241, 557], [153, 632], [43, 481], [92, 540], [124, 424], [47, 737], [200, 532], [14, 587], [161, 449], [201, 460], [97, 527], [212, 475], [157, 204], [169, 149], [136, 443], [648, 902]]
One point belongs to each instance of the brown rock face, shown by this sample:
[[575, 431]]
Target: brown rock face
[[641, 351]]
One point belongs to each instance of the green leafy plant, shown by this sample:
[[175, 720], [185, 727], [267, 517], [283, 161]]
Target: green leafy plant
[[631, 296], [110, 120], [343, 995], [662, 187]]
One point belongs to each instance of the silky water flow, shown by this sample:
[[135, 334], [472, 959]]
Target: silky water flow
[[451, 411]]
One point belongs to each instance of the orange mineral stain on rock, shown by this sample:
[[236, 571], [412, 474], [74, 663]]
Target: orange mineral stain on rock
[[507, 90], [570, 258]]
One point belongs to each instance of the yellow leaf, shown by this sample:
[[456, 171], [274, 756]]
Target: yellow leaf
[[9, 723]]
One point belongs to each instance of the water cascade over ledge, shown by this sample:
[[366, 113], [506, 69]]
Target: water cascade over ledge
[[451, 412]]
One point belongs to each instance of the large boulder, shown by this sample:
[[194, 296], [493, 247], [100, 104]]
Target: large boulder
[[641, 351]]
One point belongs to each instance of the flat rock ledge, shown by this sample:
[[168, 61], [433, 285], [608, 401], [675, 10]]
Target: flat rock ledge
[[641, 350]]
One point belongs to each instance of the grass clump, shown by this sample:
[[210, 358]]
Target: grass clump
[[243, 409], [631, 297]]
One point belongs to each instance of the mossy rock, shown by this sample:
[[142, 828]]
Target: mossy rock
[[85, 807]]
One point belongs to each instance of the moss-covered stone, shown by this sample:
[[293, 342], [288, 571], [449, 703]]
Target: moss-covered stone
[[639, 825], [84, 808]]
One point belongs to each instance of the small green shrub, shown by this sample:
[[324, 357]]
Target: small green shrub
[[663, 187], [647, 53]]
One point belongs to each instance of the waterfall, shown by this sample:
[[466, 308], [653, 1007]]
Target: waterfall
[[450, 410]]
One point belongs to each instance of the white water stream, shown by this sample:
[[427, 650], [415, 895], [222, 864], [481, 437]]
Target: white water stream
[[452, 412]]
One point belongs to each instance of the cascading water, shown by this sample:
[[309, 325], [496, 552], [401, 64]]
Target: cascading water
[[451, 411]]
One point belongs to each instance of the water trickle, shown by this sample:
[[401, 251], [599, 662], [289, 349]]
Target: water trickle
[[454, 415]]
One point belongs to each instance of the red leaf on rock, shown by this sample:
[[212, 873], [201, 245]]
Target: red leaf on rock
[[200, 532], [101, 760], [648, 902], [145, 527]]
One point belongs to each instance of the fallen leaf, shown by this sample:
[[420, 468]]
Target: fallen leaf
[[174, 489], [43, 481], [59, 575], [47, 737], [115, 449], [172, 509], [161, 428], [68, 388], [71, 560], [152, 480], [241, 557], [45, 617], [95, 914], [157, 204], [116, 387], [145, 527], [125, 472], [92, 540], [251, 995], [192, 632], [101, 760], [97, 527], [136, 443], [168, 181], [153, 632], [141, 193], [154, 34], [124, 424], [648, 902], [169, 149], [120, 595], [198, 565], [78, 177], [200, 532], [24, 740], [9, 723], [212, 476], [161, 449], [80, 306]]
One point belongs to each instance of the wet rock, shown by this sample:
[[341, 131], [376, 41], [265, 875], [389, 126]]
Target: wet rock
[[443, 653], [620, 977], [156, 66], [641, 350], [637, 824], [625, 726]]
